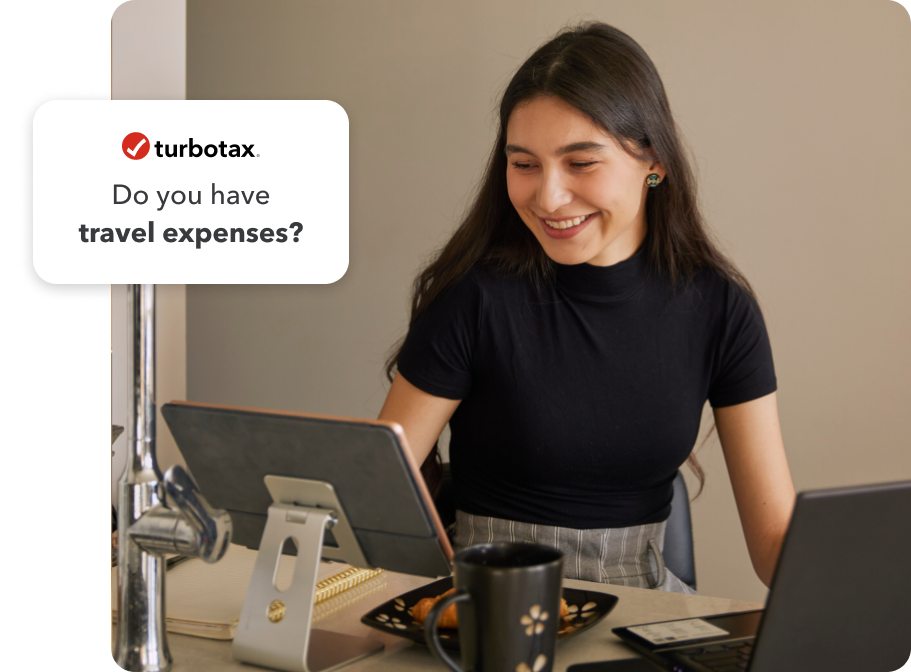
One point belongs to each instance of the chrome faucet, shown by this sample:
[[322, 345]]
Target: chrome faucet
[[156, 515]]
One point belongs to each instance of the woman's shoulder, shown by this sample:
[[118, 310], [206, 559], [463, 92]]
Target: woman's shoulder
[[467, 293], [711, 295], [482, 291], [727, 298], [490, 283], [712, 284]]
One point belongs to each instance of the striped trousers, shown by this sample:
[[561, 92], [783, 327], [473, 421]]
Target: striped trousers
[[626, 556]]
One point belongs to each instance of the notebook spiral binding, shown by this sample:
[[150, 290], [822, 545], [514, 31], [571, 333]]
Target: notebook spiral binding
[[343, 581]]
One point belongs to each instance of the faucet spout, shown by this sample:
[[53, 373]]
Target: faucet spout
[[183, 523]]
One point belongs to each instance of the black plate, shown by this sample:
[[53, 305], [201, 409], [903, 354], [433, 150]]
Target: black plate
[[394, 617]]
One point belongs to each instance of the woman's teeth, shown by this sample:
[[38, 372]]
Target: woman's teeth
[[566, 223]]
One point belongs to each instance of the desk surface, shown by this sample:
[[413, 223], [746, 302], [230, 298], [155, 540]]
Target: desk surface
[[598, 643]]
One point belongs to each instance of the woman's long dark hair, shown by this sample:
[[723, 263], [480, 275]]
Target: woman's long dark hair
[[605, 74]]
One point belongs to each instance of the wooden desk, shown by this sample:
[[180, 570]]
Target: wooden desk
[[400, 655]]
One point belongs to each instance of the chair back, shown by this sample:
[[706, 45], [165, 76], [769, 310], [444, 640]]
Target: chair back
[[678, 537]]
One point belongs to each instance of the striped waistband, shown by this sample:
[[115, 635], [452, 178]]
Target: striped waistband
[[628, 556]]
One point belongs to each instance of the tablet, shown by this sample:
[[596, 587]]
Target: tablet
[[231, 450]]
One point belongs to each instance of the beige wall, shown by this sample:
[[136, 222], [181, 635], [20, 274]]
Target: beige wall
[[796, 112]]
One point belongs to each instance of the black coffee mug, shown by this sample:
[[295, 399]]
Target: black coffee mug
[[508, 603]]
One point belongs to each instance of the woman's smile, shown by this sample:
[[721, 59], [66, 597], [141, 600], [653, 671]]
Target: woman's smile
[[562, 229]]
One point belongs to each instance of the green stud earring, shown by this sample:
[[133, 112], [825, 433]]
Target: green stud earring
[[653, 180]]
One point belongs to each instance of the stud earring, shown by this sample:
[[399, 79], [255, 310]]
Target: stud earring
[[653, 180]]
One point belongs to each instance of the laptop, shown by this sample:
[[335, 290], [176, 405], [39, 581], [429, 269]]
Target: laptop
[[840, 599]]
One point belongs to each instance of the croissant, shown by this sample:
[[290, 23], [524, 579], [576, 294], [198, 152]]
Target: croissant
[[448, 619]]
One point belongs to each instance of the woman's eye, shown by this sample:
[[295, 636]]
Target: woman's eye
[[583, 164], [518, 165]]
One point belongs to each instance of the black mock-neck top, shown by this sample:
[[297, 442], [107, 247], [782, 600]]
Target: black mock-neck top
[[581, 397]]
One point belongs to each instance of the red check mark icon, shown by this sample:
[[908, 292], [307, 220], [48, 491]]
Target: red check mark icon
[[136, 148]]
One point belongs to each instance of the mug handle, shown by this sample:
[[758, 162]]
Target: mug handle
[[431, 634]]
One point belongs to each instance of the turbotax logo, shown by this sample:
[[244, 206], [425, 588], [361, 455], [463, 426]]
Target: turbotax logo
[[136, 146]]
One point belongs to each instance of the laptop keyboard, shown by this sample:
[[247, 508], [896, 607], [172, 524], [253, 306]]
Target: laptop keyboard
[[722, 657]]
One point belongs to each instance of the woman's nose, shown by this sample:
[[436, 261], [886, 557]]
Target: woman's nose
[[553, 192]]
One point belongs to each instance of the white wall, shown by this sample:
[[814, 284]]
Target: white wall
[[148, 62], [149, 50]]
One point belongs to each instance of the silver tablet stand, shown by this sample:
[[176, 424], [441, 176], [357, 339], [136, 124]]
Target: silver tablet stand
[[156, 515], [274, 627]]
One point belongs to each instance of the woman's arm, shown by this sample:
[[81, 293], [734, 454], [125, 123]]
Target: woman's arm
[[754, 452], [422, 416]]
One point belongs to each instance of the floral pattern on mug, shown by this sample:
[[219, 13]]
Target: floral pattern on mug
[[537, 666], [534, 620]]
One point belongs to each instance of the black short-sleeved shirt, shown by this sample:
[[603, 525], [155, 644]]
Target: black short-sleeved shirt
[[582, 397]]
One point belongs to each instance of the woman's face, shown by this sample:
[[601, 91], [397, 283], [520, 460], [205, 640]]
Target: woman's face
[[573, 185]]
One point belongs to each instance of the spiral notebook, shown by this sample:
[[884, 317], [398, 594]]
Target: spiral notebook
[[205, 600]]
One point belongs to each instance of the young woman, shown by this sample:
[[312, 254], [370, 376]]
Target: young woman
[[575, 324]]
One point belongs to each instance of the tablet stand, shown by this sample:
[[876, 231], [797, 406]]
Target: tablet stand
[[274, 627]]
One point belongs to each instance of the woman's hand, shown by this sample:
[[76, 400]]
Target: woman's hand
[[422, 416], [754, 452]]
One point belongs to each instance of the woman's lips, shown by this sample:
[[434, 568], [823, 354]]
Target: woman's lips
[[569, 231]]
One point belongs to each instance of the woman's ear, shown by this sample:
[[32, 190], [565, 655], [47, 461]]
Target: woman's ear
[[653, 165], [657, 168]]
